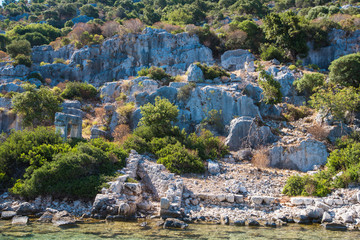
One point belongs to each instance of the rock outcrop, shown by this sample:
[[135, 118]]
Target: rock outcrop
[[245, 132], [117, 57], [302, 156], [236, 59], [340, 45]]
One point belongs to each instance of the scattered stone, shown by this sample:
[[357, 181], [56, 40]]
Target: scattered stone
[[225, 220], [326, 217], [253, 223], [20, 220], [213, 167]]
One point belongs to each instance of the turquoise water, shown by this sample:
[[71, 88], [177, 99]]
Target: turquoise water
[[132, 230]]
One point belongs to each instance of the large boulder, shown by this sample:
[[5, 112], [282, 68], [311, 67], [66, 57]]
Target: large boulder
[[245, 132], [302, 156], [286, 79], [236, 59]]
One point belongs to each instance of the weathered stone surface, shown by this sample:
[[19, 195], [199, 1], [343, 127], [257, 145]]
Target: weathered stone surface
[[236, 59], [175, 223], [6, 215], [63, 121], [302, 200], [20, 220], [244, 132], [120, 57], [302, 156], [26, 209], [63, 218], [213, 167], [340, 45], [195, 74], [326, 217]]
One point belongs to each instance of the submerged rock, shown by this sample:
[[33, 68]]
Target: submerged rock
[[175, 223]]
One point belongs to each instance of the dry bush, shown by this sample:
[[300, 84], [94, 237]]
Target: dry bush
[[112, 28], [100, 115], [261, 158], [340, 17], [3, 55], [134, 25], [56, 44], [121, 132], [61, 85], [236, 39], [167, 26], [76, 33], [319, 132]]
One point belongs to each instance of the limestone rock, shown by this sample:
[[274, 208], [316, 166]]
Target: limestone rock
[[195, 74], [213, 167], [20, 220], [236, 59], [6, 215], [302, 156], [245, 132], [326, 217]]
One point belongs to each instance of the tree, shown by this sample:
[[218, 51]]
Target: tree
[[271, 88], [336, 101], [89, 11], [346, 70], [18, 47], [286, 31], [36, 106], [159, 117], [35, 38], [309, 82]]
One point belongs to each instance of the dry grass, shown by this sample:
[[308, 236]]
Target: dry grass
[[319, 132], [121, 133], [261, 158]]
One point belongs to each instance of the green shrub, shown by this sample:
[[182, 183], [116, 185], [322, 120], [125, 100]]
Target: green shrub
[[18, 47], [214, 118], [306, 186], [339, 102], [309, 82], [185, 91], [59, 60], [22, 59], [36, 75], [12, 161], [156, 74], [294, 113], [292, 67], [79, 90], [36, 106], [271, 88], [346, 70], [207, 145], [178, 159], [212, 72], [159, 117], [313, 66], [269, 52], [76, 173]]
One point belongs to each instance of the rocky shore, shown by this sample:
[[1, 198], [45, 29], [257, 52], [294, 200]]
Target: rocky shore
[[231, 192]]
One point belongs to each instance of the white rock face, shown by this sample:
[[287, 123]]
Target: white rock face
[[195, 74], [120, 57], [301, 201], [244, 132], [302, 156], [236, 59], [339, 46]]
